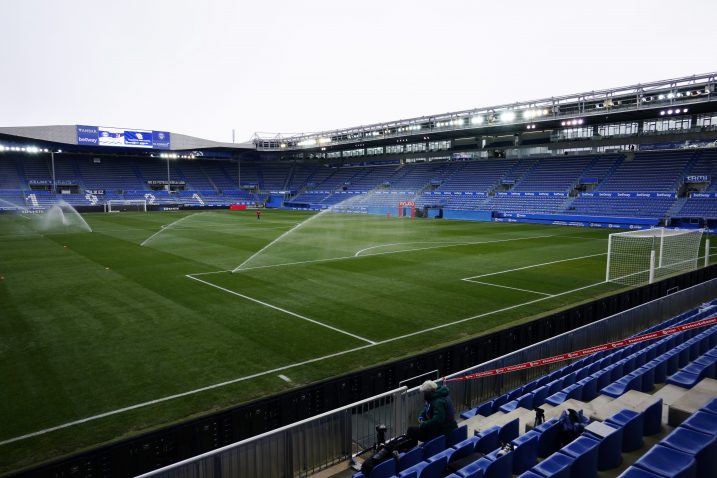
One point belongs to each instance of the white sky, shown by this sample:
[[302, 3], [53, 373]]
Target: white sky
[[206, 67]]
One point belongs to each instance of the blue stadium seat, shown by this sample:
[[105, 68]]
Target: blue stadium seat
[[632, 424], [652, 418], [425, 469], [410, 458], [664, 461], [556, 465], [487, 440], [609, 448], [634, 472], [549, 441], [457, 435], [700, 445], [525, 453], [509, 431], [434, 446], [700, 421], [584, 452]]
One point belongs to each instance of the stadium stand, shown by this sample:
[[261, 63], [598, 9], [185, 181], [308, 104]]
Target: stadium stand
[[651, 185], [653, 400]]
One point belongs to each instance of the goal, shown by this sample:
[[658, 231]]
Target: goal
[[638, 257], [407, 209], [117, 205]]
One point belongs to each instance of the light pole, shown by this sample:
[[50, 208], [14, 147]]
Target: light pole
[[169, 188], [52, 160]]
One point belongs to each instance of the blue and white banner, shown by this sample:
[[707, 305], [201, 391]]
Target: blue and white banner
[[529, 194], [704, 195], [120, 137], [628, 195], [455, 193]]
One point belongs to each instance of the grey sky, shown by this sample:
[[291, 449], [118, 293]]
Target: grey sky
[[205, 67]]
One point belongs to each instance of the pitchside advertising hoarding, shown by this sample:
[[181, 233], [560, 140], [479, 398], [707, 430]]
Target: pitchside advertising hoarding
[[121, 137]]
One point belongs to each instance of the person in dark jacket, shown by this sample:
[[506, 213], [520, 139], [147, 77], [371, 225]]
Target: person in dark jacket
[[438, 416]]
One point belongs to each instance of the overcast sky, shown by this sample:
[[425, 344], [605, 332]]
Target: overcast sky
[[206, 67]]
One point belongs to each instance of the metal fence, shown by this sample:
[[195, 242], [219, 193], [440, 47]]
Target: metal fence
[[319, 442], [301, 448]]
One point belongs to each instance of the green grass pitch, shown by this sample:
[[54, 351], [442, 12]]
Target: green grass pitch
[[97, 326]]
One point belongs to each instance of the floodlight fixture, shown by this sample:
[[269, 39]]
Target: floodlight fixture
[[507, 116]]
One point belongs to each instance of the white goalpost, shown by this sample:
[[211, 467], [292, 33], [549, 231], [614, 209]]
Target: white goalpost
[[638, 257], [117, 205]]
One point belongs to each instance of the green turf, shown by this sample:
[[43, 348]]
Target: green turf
[[94, 322]]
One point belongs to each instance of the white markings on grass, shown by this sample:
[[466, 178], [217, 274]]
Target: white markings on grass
[[164, 228], [533, 266], [369, 343], [288, 312], [342, 258], [180, 395], [507, 287], [285, 378], [285, 367]]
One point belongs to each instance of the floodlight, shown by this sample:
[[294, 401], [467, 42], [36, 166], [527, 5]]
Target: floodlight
[[685, 110], [669, 112], [661, 97], [670, 96], [677, 111], [507, 116], [662, 113], [477, 120]]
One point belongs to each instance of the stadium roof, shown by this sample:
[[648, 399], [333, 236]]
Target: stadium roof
[[67, 135], [628, 102]]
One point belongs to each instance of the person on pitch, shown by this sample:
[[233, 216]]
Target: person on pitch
[[258, 214], [438, 416]]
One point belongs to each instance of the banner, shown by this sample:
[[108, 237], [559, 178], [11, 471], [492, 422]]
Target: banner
[[120, 137], [697, 179], [628, 195], [589, 351], [529, 194]]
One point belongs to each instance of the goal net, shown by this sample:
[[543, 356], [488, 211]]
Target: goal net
[[117, 205], [638, 257]]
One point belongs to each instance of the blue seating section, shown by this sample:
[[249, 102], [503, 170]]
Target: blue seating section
[[471, 185], [690, 450]]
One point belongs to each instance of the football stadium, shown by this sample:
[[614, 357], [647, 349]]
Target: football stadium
[[519, 289], [258, 309]]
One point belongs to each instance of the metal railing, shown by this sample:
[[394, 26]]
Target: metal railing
[[317, 443], [468, 394], [301, 448]]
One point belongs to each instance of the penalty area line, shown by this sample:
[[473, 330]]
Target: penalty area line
[[280, 369], [505, 287], [532, 266], [287, 312]]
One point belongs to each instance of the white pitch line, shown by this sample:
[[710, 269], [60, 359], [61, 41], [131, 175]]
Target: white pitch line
[[453, 244], [485, 314], [505, 286], [288, 312], [180, 395], [358, 253], [278, 369], [164, 228], [342, 258], [534, 265]]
